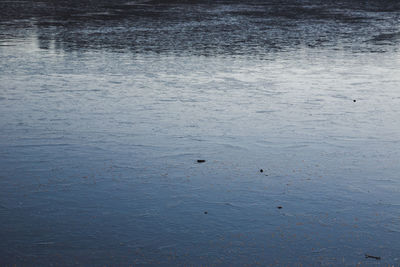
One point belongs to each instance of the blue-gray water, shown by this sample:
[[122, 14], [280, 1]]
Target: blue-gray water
[[106, 106]]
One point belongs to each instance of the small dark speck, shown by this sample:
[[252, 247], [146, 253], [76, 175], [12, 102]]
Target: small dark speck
[[354, 100], [372, 257], [261, 170], [279, 207], [205, 212], [201, 160]]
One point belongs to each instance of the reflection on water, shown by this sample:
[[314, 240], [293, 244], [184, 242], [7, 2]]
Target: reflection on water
[[205, 28], [106, 108]]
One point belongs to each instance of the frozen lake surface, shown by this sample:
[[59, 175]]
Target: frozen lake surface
[[107, 106]]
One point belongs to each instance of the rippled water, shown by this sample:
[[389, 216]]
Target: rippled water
[[106, 106]]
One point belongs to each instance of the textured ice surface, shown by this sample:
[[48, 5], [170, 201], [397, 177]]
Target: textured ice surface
[[106, 106]]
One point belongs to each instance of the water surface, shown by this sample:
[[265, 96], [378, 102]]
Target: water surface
[[106, 107]]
